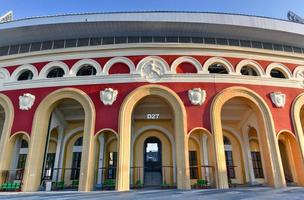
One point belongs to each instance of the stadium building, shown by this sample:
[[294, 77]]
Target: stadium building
[[151, 99]]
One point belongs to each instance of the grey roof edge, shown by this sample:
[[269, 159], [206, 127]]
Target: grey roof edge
[[144, 11], [162, 16]]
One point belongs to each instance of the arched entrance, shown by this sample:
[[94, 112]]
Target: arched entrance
[[201, 159], [106, 142], [240, 108], [40, 135], [6, 145], [234, 159], [152, 162], [18, 151], [63, 145], [291, 158], [178, 126], [156, 134], [297, 113]]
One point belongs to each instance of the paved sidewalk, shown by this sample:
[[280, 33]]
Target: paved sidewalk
[[248, 193]]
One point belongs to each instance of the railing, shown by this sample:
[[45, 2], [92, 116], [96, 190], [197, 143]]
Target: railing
[[12, 175], [140, 177], [105, 178], [11, 179], [165, 179], [231, 171], [202, 176], [61, 178]]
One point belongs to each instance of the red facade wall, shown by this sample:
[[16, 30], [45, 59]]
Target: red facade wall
[[197, 116]]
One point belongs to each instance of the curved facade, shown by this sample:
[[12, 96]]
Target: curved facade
[[169, 99]]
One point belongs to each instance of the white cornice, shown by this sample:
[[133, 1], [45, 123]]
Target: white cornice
[[166, 78]]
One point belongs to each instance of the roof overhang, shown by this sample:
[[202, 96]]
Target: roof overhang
[[152, 24]]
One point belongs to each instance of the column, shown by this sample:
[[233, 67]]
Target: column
[[59, 155], [124, 157], [205, 154], [249, 159], [100, 160]]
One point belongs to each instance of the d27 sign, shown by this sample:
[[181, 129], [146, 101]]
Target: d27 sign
[[152, 116]]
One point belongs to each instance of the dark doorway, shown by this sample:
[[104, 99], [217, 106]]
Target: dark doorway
[[152, 162]]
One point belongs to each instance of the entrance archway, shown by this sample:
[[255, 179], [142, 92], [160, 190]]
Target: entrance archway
[[18, 151], [201, 158], [291, 158], [153, 118], [6, 146], [179, 132], [106, 142], [40, 131], [270, 149], [234, 159], [297, 114]]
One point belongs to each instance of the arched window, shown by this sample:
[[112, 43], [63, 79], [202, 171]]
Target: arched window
[[55, 73], [86, 70], [275, 73], [229, 158], [78, 142], [248, 71], [26, 75], [186, 67], [24, 144], [76, 159], [226, 141], [217, 69], [22, 155]]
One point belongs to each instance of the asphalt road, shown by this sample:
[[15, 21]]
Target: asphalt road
[[248, 193]]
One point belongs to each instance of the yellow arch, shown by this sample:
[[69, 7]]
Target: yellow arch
[[39, 131], [5, 148], [14, 135], [276, 177], [294, 155], [180, 128], [296, 120]]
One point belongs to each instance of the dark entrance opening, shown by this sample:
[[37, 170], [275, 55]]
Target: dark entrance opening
[[152, 162]]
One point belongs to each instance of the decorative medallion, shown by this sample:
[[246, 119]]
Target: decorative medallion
[[300, 74], [26, 101], [152, 70], [197, 96], [108, 96], [278, 99]]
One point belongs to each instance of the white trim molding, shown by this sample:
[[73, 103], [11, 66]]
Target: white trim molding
[[4, 75], [256, 66], [18, 71], [285, 70], [218, 60], [82, 62], [52, 65], [119, 59], [187, 59]]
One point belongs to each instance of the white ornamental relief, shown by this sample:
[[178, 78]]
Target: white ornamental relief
[[26, 101], [300, 74], [278, 99], [197, 96], [108, 96], [152, 71]]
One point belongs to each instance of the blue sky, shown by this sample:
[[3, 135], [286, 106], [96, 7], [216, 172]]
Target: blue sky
[[273, 8]]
